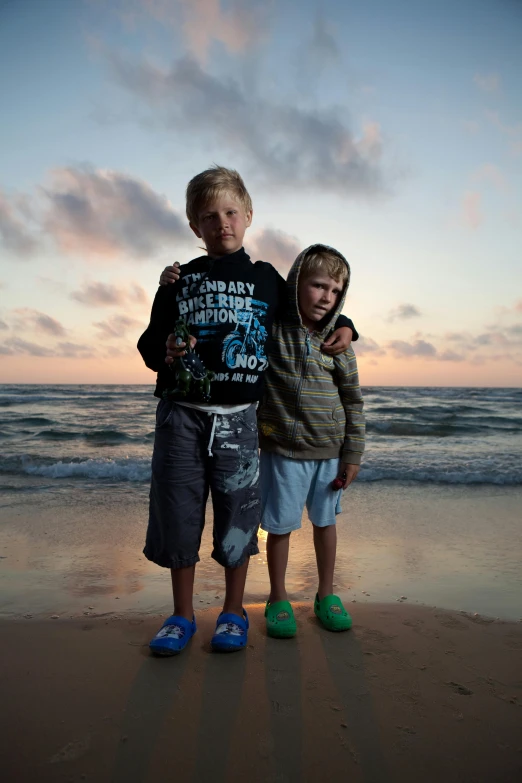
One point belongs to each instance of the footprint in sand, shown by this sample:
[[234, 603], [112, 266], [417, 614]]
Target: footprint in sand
[[451, 622], [461, 689], [72, 751]]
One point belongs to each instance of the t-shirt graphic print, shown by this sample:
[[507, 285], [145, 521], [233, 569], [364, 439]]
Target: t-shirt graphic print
[[229, 305]]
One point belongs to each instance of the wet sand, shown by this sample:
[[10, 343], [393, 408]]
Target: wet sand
[[66, 551], [409, 694], [412, 693]]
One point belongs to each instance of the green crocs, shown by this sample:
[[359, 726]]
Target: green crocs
[[280, 620], [331, 613]]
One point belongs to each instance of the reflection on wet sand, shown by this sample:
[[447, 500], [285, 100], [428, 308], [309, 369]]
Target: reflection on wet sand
[[442, 546]]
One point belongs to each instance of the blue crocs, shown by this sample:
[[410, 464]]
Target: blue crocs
[[231, 632], [173, 636]]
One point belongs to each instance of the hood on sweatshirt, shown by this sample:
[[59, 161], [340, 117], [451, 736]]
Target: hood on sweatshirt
[[326, 325]]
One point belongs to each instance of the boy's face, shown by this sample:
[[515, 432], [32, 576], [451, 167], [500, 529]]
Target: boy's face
[[222, 225], [318, 294]]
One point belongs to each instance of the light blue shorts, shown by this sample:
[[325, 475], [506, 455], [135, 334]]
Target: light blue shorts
[[287, 485]]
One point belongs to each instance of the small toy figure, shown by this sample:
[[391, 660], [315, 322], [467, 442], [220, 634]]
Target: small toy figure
[[192, 377]]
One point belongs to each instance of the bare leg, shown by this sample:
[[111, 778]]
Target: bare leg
[[325, 543], [183, 590], [277, 557], [235, 579]]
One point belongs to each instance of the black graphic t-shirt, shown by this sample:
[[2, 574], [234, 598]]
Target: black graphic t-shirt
[[229, 305]]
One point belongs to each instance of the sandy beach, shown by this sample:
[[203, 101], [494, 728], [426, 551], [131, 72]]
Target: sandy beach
[[411, 693]]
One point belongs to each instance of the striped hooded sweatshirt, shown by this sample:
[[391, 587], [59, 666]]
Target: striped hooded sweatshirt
[[312, 405]]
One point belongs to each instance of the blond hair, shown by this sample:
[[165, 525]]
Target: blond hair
[[325, 259], [209, 185]]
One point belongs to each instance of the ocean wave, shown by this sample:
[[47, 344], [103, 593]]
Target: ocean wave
[[107, 436], [101, 469], [444, 429], [58, 435], [29, 399], [407, 474], [138, 470], [35, 421], [98, 437]]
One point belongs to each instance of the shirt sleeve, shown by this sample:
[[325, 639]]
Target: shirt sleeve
[[352, 401], [344, 321], [282, 297], [152, 343]]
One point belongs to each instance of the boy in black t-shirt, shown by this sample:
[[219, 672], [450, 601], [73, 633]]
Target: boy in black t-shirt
[[209, 442]]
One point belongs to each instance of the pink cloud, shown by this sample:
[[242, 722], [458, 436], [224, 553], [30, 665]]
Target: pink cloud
[[98, 294], [276, 247], [14, 233], [286, 144], [493, 176], [471, 212], [117, 327], [107, 213], [238, 24], [366, 346], [402, 348], [403, 312], [27, 319]]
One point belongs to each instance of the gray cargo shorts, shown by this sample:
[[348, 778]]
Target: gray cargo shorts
[[183, 472]]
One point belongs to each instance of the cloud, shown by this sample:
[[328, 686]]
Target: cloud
[[493, 176], [471, 211], [404, 312], [457, 337], [75, 351], [93, 212], [35, 320], [518, 306], [287, 145], [15, 346], [238, 25], [400, 348], [276, 247], [14, 234], [97, 294], [3, 326], [117, 326], [323, 46], [488, 82], [107, 213], [511, 132], [451, 356], [366, 346], [19, 346]]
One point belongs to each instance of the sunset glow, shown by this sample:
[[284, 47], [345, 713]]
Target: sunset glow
[[390, 131]]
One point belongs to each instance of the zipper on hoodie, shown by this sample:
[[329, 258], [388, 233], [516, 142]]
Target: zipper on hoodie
[[306, 354]]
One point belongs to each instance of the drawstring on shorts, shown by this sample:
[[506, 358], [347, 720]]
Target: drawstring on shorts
[[212, 433]]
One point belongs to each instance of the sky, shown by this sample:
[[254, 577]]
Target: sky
[[390, 130]]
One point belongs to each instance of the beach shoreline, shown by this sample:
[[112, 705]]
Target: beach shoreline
[[409, 692], [71, 550]]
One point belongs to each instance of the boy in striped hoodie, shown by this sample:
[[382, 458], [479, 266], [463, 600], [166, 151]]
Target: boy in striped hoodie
[[311, 433]]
